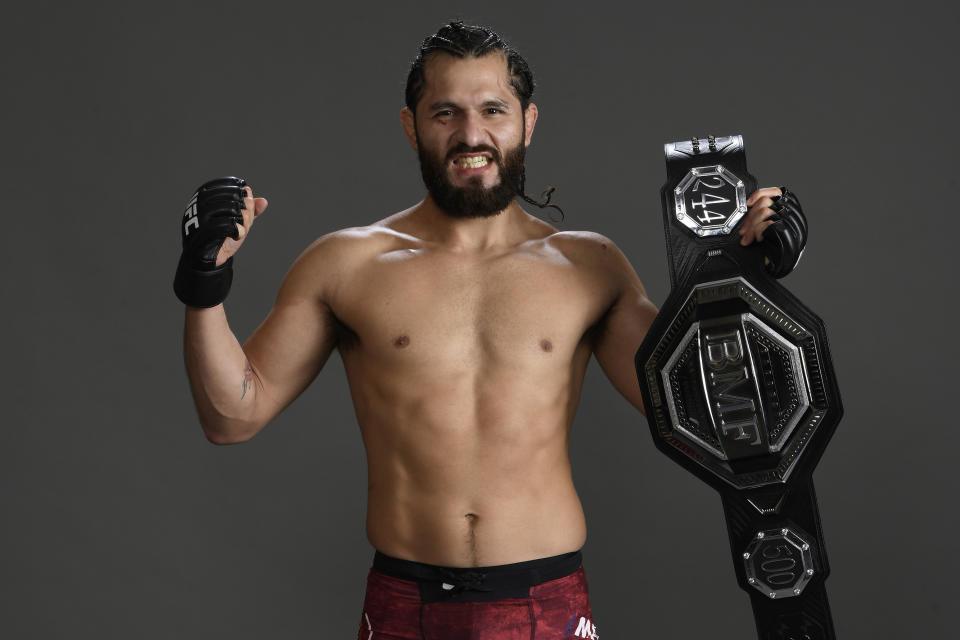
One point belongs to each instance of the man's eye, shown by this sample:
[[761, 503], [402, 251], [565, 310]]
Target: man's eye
[[443, 114], [493, 110]]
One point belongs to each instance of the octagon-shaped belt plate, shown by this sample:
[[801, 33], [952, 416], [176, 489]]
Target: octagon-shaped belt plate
[[710, 200], [779, 562], [731, 382]]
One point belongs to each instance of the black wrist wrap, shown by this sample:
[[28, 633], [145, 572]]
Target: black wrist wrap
[[201, 288]]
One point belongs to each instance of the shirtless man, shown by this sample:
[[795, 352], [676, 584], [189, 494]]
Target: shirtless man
[[465, 326]]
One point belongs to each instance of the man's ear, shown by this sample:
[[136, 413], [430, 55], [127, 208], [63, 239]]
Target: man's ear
[[409, 126], [529, 121]]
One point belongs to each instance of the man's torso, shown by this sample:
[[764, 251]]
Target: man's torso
[[465, 371]]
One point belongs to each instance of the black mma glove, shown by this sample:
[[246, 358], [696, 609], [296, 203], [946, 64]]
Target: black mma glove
[[784, 240], [211, 217]]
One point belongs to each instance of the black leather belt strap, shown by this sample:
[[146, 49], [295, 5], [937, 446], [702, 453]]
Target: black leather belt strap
[[739, 388]]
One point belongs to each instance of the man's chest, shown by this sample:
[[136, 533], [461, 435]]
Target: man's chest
[[407, 307]]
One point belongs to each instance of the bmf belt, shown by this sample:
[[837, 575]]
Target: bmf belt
[[739, 389]]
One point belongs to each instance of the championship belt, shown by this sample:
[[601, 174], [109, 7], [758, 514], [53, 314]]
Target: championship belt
[[739, 388]]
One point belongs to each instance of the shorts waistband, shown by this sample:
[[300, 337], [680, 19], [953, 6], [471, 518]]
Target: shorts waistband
[[439, 583]]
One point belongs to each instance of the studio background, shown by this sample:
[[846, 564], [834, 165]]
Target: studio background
[[119, 520]]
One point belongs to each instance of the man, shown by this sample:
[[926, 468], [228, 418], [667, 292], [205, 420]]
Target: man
[[465, 326]]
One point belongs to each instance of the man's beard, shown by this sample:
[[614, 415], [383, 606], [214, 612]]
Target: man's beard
[[473, 200]]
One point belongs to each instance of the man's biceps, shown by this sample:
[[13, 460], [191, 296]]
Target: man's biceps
[[293, 332], [627, 325], [287, 355], [650, 312], [637, 314]]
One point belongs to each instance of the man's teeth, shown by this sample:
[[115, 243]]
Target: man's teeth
[[474, 162]]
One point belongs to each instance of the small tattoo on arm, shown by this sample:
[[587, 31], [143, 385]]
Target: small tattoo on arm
[[247, 380]]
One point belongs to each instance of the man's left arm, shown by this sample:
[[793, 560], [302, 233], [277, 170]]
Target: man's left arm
[[623, 327]]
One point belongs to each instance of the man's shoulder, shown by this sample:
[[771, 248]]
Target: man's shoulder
[[587, 247], [331, 259], [350, 243], [581, 238], [594, 253]]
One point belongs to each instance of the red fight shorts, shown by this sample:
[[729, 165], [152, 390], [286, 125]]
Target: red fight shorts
[[543, 599]]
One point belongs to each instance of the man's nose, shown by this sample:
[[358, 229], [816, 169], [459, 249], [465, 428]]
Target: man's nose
[[472, 131]]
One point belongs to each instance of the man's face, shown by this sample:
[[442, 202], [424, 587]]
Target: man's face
[[470, 134]]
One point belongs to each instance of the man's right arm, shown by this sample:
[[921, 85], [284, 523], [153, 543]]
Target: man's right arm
[[239, 389]]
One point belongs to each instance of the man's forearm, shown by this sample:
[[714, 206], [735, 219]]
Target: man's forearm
[[221, 378]]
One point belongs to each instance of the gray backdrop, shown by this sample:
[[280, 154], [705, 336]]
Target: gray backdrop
[[119, 520]]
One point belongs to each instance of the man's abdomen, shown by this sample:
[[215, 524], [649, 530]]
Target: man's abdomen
[[478, 517]]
